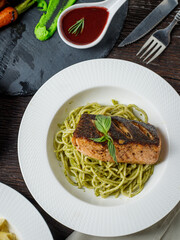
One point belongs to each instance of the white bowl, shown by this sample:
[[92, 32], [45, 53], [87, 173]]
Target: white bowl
[[100, 80]]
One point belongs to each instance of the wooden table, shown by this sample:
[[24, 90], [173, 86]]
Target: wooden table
[[12, 108]]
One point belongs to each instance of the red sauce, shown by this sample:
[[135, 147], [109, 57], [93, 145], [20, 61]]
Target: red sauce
[[95, 19]]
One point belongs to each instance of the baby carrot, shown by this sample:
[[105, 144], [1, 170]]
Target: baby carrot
[[10, 14], [7, 16]]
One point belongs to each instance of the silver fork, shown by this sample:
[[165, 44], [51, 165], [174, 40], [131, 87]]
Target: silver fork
[[158, 41]]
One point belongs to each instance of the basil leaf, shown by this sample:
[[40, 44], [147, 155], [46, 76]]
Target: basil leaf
[[100, 127], [108, 137], [102, 139], [112, 150], [99, 118], [103, 123], [107, 123]]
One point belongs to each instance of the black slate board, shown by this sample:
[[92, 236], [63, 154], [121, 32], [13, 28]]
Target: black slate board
[[26, 63]]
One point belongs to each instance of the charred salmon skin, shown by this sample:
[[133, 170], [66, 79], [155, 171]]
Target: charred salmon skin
[[135, 142]]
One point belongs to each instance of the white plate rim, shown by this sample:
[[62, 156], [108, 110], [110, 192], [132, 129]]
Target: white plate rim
[[87, 212], [14, 202]]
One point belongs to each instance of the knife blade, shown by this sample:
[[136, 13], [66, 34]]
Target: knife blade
[[155, 17]]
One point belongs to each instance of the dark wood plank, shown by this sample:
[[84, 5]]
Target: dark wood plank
[[12, 108]]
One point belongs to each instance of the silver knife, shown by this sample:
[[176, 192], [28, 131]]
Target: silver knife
[[155, 17]]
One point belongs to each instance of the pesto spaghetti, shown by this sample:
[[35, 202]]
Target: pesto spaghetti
[[106, 178]]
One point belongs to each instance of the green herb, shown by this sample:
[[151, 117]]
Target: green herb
[[77, 28], [103, 124], [102, 139], [112, 150]]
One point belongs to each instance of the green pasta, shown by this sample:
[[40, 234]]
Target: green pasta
[[106, 178]]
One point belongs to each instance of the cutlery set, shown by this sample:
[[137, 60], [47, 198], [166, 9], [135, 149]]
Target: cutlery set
[[159, 41]]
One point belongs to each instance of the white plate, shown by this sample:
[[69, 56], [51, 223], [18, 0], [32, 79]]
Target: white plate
[[100, 80], [24, 220]]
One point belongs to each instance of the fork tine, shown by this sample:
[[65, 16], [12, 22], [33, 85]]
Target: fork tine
[[145, 45], [157, 54], [151, 52], [153, 44]]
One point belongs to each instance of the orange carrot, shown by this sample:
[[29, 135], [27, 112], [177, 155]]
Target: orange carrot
[[7, 16], [10, 14]]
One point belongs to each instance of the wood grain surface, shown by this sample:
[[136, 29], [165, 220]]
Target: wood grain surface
[[12, 108]]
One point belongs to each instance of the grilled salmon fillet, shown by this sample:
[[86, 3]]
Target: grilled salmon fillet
[[135, 142]]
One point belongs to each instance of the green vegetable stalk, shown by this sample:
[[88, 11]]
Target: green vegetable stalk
[[28, 3], [24, 6], [40, 31]]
